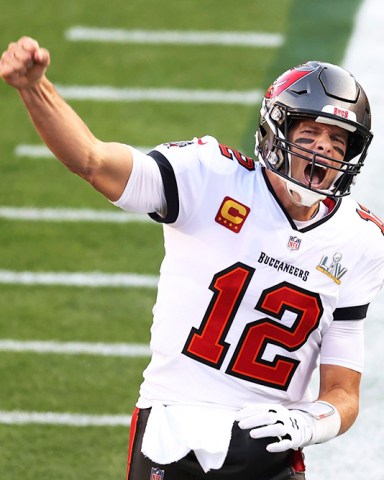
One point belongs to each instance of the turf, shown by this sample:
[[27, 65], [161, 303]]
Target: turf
[[71, 313]]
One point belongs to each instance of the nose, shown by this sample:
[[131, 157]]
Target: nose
[[323, 143]]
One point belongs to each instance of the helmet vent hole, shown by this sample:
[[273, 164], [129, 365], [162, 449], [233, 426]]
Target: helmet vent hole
[[300, 92]]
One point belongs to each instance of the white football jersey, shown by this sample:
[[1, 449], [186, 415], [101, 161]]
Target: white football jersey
[[246, 296]]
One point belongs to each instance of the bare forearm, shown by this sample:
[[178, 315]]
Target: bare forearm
[[65, 134], [106, 166], [346, 404], [340, 387]]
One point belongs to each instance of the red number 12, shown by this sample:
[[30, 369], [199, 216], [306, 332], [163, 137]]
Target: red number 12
[[206, 344]]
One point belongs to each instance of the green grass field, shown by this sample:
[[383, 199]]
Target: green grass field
[[102, 385]]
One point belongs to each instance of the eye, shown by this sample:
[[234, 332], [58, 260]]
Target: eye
[[309, 131], [338, 139], [339, 150], [305, 136], [340, 144]]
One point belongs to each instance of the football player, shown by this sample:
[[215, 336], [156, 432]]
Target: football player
[[269, 270]]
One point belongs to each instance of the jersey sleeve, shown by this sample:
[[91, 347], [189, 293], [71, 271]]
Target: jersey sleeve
[[144, 192], [343, 345], [187, 170], [168, 183], [343, 342], [365, 280]]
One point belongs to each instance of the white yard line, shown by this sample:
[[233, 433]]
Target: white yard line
[[67, 419], [71, 215], [179, 95], [41, 151], [33, 151], [65, 214], [79, 279], [76, 348], [234, 39]]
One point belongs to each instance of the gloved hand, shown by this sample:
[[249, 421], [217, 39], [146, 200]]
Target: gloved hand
[[291, 427]]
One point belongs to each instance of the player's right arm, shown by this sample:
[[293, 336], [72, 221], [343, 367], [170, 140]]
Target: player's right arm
[[106, 166]]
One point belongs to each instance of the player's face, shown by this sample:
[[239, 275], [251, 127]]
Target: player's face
[[328, 140]]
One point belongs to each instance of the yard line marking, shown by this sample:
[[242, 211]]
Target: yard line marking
[[71, 215], [114, 94], [33, 151], [178, 37], [68, 419], [41, 151], [96, 279], [76, 348]]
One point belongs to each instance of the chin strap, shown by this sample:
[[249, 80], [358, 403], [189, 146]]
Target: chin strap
[[302, 196]]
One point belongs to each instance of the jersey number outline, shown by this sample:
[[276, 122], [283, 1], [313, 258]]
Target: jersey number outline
[[206, 344], [368, 216]]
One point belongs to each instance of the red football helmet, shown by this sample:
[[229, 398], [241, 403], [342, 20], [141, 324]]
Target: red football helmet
[[325, 93]]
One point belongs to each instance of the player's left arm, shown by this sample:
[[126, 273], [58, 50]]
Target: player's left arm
[[309, 423], [340, 387]]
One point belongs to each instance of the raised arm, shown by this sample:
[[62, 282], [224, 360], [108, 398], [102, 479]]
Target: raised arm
[[106, 166]]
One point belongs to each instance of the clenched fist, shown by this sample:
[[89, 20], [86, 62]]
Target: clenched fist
[[24, 63]]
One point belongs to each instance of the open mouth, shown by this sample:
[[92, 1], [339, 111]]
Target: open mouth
[[314, 174]]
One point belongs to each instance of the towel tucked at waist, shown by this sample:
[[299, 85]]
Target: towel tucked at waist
[[173, 431]]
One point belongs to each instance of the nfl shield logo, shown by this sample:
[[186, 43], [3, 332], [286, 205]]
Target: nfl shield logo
[[157, 474], [294, 243]]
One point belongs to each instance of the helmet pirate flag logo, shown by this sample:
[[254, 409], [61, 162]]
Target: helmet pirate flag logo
[[287, 79]]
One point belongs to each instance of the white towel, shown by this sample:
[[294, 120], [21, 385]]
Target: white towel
[[173, 431]]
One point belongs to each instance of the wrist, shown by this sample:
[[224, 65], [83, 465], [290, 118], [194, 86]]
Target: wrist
[[34, 85], [323, 419]]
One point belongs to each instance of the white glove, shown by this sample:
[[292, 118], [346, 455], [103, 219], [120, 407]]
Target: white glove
[[316, 423]]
